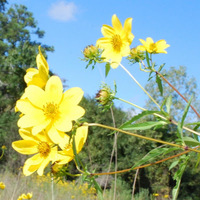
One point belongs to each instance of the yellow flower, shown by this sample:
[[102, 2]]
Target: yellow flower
[[24, 196], [166, 196], [50, 109], [29, 195], [155, 194], [39, 145], [117, 40], [2, 185], [67, 154], [38, 76], [3, 147], [151, 47]]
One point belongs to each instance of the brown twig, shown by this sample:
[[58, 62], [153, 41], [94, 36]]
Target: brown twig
[[143, 166], [177, 92]]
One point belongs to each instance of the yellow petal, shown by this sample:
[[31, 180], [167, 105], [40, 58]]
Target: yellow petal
[[29, 169], [27, 121], [27, 135], [55, 135], [127, 30], [107, 31], [72, 96], [36, 96], [40, 127], [116, 23], [41, 62], [43, 165], [25, 146], [80, 137], [54, 89], [37, 159], [30, 72]]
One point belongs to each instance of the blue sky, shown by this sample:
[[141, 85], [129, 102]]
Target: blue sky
[[72, 25]]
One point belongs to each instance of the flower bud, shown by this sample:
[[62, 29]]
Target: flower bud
[[136, 55], [90, 51]]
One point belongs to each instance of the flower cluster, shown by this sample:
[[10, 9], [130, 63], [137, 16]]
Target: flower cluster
[[47, 117], [117, 40], [25, 196]]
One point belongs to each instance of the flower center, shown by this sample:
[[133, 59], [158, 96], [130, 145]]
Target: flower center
[[50, 110], [116, 42], [153, 47], [44, 149]]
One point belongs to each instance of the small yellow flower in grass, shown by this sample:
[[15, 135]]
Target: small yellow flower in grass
[[50, 108], [151, 47], [2, 185], [24, 196], [155, 194], [38, 76], [67, 154], [166, 196], [39, 145], [29, 195], [117, 40], [3, 147]]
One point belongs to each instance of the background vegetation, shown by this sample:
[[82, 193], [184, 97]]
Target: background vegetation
[[18, 52]]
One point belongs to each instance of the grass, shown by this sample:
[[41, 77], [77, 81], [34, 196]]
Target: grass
[[41, 188]]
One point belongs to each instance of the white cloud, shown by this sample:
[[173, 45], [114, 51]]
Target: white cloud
[[63, 11]]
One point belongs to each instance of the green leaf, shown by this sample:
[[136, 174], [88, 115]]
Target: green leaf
[[159, 82], [107, 69], [161, 66], [185, 112], [168, 103], [189, 141], [174, 164], [177, 177], [144, 125], [139, 116], [147, 59], [150, 156]]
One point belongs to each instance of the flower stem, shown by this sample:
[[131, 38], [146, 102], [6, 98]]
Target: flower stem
[[139, 136], [143, 166], [139, 85], [158, 115], [198, 115]]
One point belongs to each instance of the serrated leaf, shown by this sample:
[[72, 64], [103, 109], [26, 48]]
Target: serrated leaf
[[144, 125], [150, 156], [107, 69], [159, 82]]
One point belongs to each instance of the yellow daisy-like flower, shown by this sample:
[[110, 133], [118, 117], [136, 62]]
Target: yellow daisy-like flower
[[50, 109], [151, 47], [38, 76], [67, 153], [24, 196], [2, 185], [39, 145], [117, 40]]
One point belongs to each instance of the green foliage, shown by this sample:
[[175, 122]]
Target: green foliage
[[17, 53]]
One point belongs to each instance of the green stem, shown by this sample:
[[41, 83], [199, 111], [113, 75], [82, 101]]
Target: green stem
[[139, 85], [158, 115], [139, 136]]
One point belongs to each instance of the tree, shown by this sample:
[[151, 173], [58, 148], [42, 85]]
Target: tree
[[188, 87], [17, 53]]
